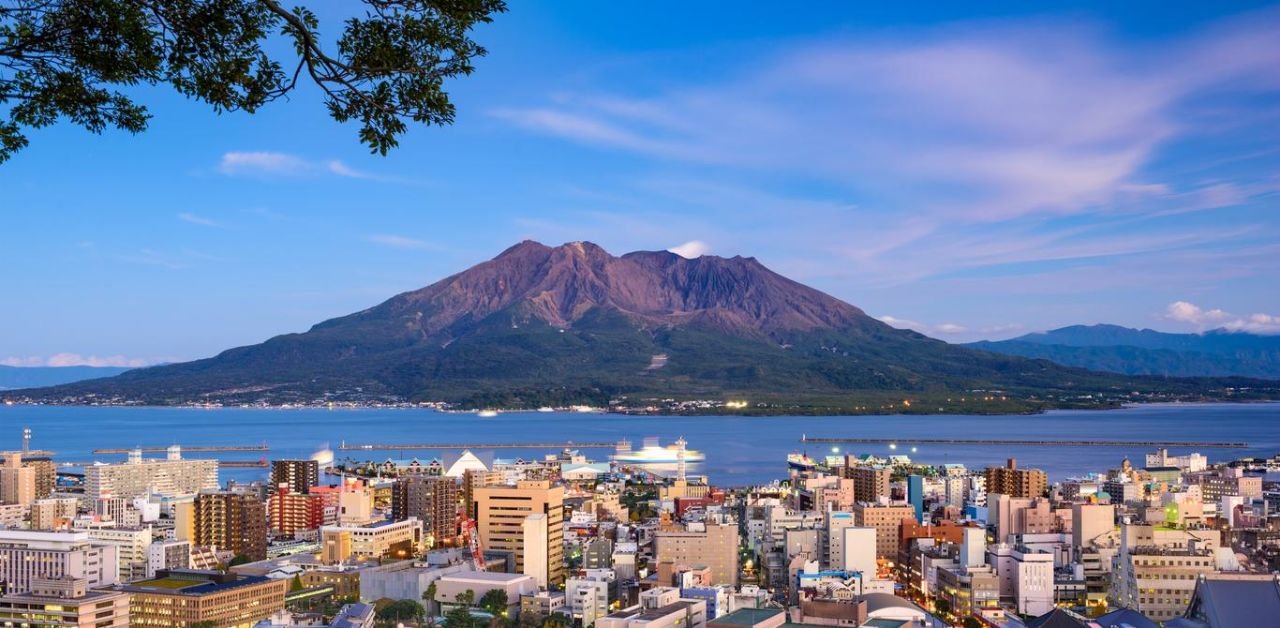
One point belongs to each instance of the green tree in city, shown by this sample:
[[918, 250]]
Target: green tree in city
[[296, 585], [79, 60], [402, 610], [494, 601], [557, 620]]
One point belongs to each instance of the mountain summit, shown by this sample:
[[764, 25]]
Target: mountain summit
[[544, 325]]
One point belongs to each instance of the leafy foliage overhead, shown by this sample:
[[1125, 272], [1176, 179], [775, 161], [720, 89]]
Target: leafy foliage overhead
[[77, 59]]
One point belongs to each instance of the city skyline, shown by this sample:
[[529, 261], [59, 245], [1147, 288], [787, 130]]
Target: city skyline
[[971, 176]]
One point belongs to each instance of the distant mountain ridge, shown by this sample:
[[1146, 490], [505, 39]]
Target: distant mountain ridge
[[12, 377], [1116, 349], [541, 325]]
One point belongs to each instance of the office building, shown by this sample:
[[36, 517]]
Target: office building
[[17, 482], [132, 546], [298, 475], [395, 539], [235, 522], [26, 555], [915, 495], [168, 556], [53, 513], [887, 520], [710, 544], [500, 513], [136, 477], [1014, 482], [433, 500], [181, 598], [65, 602]]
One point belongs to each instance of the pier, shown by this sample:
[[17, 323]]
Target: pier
[[125, 450], [1032, 443], [569, 445]]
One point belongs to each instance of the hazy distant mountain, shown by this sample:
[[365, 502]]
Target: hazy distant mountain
[[1116, 349], [573, 323], [34, 376]]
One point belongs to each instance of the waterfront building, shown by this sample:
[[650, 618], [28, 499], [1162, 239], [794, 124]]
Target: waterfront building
[[181, 598], [709, 543], [396, 539], [1188, 462], [65, 602], [433, 500], [298, 475], [500, 514], [26, 555], [1014, 482], [170, 477], [887, 520], [235, 522]]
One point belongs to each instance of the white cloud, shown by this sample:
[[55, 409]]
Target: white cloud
[[1202, 319], [262, 163], [928, 330], [401, 242], [76, 359], [198, 220], [691, 249]]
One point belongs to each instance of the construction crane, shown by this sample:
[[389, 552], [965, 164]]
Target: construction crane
[[473, 541]]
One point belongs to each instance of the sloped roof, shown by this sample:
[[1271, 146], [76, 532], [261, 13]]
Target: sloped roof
[[467, 461], [1125, 618], [1056, 618], [1226, 601]]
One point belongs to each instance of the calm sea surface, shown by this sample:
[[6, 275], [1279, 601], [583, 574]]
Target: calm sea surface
[[739, 450]]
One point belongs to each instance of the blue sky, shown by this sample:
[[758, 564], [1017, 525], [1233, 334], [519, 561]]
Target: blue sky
[[972, 170]]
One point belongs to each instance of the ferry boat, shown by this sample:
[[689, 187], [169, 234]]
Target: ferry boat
[[653, 453], [801, 462]]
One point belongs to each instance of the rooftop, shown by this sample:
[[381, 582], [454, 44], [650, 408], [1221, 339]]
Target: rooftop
[[193, 582], [746, 617]]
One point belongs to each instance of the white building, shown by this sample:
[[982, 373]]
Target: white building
[[587, 599], [25, 555], [132, 548], [168, 554], [138, 477]]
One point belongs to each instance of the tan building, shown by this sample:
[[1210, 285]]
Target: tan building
[[396, 539], [136, 477], [236, 522], [53, 513], [179, 598], [56, 602], [887, 520], [17, 482], [1158, 582], [870, 484], [46, 474], [713, 545], [1014, 482], [500, 513]]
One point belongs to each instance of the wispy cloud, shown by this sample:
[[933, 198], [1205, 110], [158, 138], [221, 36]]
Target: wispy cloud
[[1214, 318], [270, 164], [76, 359], [198, 220], [401, 242]]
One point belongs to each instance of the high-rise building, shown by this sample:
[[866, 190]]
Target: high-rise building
[[291, 513], [17, 482], [500, 513], [1014, 482], [171, 477], [236, 522], [533, 551], [915, 494], [26, 555], [180, 598], [46, 471], [300, 475], [887, 520], [53, 513], [712, 544], [432, 499], [870, 484]]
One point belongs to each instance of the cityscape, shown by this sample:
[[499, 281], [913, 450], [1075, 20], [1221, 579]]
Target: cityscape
[[661, 314]]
